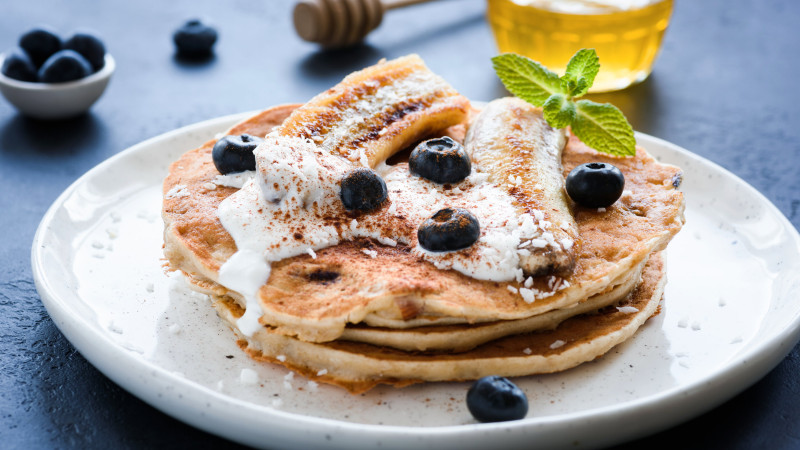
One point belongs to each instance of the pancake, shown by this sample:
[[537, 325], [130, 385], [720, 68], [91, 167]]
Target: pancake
[[420, 335], [358, 367], [314, 298], [465, 337]]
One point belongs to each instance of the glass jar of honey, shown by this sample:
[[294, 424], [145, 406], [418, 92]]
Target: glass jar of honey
[[625, 33]]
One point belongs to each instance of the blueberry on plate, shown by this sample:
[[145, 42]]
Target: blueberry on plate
[[90, 46], [441, 160], [235, 153], [195, 39], [448, 230], [64, 65], [40, 44], [363, 190], [595, 185], [496, 399], [18, 65]]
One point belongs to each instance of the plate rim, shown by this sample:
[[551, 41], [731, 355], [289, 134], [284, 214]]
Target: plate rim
[[747, 368]]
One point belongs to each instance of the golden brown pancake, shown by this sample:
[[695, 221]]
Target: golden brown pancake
[[464, 337], [358, 367]]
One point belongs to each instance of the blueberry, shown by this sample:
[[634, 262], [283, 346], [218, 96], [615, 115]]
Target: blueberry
[[195, 39], [90, 46], [18, 65], [363, 190], [40, 44], [449, 229], [595, 185], [235, 153], [64, 65], [441, 160], [496, 399]]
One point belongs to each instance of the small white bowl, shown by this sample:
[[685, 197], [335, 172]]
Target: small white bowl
[[56, 100]]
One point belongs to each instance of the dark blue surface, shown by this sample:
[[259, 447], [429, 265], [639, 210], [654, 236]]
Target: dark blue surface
[[723, 87]]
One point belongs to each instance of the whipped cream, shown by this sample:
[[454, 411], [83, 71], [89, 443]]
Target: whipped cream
[[291, 206]]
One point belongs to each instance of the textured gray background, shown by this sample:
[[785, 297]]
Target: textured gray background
[[723, 87]]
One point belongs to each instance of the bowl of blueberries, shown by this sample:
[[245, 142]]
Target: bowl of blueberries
[[47, 77]]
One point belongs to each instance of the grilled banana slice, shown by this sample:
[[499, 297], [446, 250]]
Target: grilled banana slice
[[512, 143], [378, 111]]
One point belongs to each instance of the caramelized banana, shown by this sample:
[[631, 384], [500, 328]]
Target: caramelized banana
[[378, 111], [512, 143]]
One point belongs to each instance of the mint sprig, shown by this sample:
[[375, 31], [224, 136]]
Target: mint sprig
[[601, 126]]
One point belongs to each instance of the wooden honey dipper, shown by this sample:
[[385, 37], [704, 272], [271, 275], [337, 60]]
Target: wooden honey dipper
[[340, 23]]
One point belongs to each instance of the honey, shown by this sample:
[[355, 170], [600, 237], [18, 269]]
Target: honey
[[626, 34]]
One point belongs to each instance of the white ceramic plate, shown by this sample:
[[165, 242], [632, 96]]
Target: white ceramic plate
[[730, 315]]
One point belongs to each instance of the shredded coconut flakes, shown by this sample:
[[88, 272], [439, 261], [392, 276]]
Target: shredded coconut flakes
[[387, 241], [248, 377], [527, 295]]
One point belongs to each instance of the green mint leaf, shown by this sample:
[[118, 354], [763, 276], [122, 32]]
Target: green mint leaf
[[574, 88], [568, 85], [526, 78], [582, 68], [559, 112], [604, 128]]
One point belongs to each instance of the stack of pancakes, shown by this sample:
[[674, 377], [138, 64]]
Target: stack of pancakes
[[361, 313]]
